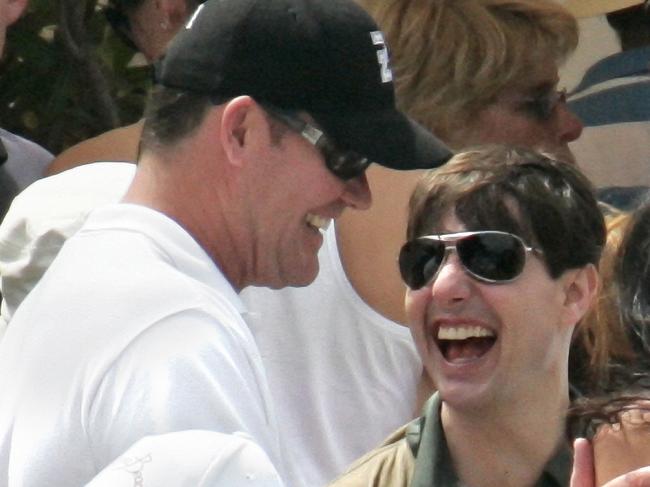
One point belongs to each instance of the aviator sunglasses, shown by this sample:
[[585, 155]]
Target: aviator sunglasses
[[488, 256], [345, 165]]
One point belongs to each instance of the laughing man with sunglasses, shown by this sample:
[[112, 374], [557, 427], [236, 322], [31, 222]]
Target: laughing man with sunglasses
[[500, 266]]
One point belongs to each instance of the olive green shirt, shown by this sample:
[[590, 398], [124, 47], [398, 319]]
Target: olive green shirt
[[416, 455]]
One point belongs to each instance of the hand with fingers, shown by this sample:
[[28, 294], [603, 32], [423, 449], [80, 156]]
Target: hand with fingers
[[583, 474]]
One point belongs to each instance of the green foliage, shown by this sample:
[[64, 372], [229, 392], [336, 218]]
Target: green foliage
[[63, 80]]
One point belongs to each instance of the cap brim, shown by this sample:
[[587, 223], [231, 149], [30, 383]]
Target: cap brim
[[388, 138], [592, 8]]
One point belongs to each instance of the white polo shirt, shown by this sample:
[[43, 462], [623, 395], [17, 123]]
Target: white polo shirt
[[132, 331]]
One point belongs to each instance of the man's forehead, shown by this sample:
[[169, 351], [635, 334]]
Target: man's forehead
[[451, 221]]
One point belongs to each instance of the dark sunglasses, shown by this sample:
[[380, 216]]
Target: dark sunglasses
[[488, 256], [345, 165]]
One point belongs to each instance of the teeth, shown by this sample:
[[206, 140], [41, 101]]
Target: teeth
[[318, 222], [463, 332]]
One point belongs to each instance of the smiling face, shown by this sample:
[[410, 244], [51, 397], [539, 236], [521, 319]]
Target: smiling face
[[531, 114], [484, 344], [297, 199], [255, 194]]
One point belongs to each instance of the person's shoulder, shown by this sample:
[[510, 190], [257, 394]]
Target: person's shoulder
[[26, 160], [391, 464], [12, 139], [119, 145]]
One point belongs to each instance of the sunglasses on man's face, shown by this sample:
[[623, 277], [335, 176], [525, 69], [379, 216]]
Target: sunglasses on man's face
[[488, 256], [345, 165]]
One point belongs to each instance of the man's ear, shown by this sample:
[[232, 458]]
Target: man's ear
[[14, 9], [237, 121], [580, 289]]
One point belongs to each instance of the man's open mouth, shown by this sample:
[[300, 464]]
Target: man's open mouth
[[459, 344]]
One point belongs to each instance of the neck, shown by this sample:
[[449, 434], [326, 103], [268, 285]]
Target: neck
[[180, 189], [509, 445]]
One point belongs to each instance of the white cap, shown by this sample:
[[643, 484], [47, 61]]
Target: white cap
[[193, 458], [591, 8]]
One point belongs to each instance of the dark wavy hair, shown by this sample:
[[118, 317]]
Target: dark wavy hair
[[632, 275], [627, 381], [587, 415], [547, 202]]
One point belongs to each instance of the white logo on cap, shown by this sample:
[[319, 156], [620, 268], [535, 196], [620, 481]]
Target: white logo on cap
[[382, 56], [194, 16]]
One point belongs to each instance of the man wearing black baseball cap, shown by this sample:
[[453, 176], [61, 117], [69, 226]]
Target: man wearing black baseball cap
[[327, 59], [266, 114]]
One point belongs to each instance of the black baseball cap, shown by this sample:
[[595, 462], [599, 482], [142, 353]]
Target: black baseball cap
[[324, 57]]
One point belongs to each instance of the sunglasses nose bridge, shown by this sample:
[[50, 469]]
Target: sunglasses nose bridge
[[460, 260], [452, 283], [450, 248]]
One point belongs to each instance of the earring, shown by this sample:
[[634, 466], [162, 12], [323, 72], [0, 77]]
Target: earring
[[164, 25]]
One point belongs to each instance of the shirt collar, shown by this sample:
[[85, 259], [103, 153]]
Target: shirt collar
[[433, 463], [171, 239]]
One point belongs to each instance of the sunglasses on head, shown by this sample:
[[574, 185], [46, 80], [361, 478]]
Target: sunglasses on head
[[343, 164], [488, 256]]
